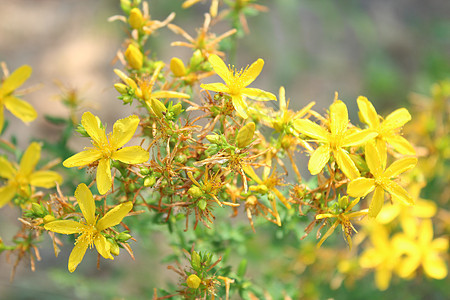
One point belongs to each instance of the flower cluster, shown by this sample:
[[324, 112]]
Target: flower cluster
[[205, 150]]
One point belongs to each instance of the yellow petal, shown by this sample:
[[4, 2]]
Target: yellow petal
[[169, 94], [6, 168], [16, 79], [311, 129], [220, 68], [240, 106], [434, 266], [216, 87], [104, 181], [2, 118], [426, 232], [380, 144], [250, 74], [327, 234], [131, 155], [382, 278], [373, 160], [92, 126], [30, 158], [398, 193], [83, 158], [424, 208], [319, 159], [368, 112], [377, 202], [399, 166], [408, 265], [114, 216], [282, 93], [388, 213], [250, 172], [396, 119], [64, 226], [346, 164], [7, 192], [77, 254], [359, 137], [258, 94], [123, 131], [401, 145], [439, 244], [360, 187], [103, 246], [45, 179], [338, 117], [21, 109], [86, 203]]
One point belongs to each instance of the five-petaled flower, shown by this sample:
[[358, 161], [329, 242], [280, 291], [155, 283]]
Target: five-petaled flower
[[109, 148], [389, 129], [382, 180], [236, 83], [419, 248], [90, 229], [21, 109], [20, 179], [334, 141]]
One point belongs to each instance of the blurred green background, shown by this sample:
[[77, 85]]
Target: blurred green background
[[380, 49]]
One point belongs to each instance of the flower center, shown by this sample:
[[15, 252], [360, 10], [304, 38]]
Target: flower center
[[87, 235]]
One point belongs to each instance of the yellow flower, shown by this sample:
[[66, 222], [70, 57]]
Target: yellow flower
[[236, 83], [343, 218], [21, 109], [145, 90], [382, 257], [381, 180], [334, 141], [420, 249], [388, 129], [20, 179], [90, 229], [109, 148]]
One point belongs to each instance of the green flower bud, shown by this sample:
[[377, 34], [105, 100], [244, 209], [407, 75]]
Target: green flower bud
[[123, 237], [201, 204], [196, 59], [213, 138], [195, 260], [245, 135], [37, 209], [125, 5], [115, 249], [157, 107], [195, 192], [144, 171], [149, 181], [121, 88], [343, 202], [177, 109]]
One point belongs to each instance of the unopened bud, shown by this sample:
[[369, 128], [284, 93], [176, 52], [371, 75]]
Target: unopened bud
[[177, 67], [157, 107], [48, 219], [114, 249], [149, 181], [195, 192], [213, 138], [196, 59], [245, 135], [134, 57], [37, 209], [121, 88], [136, 19], [123, 237], [195, 260], [177, 109], [343, 202], [193, 281]]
